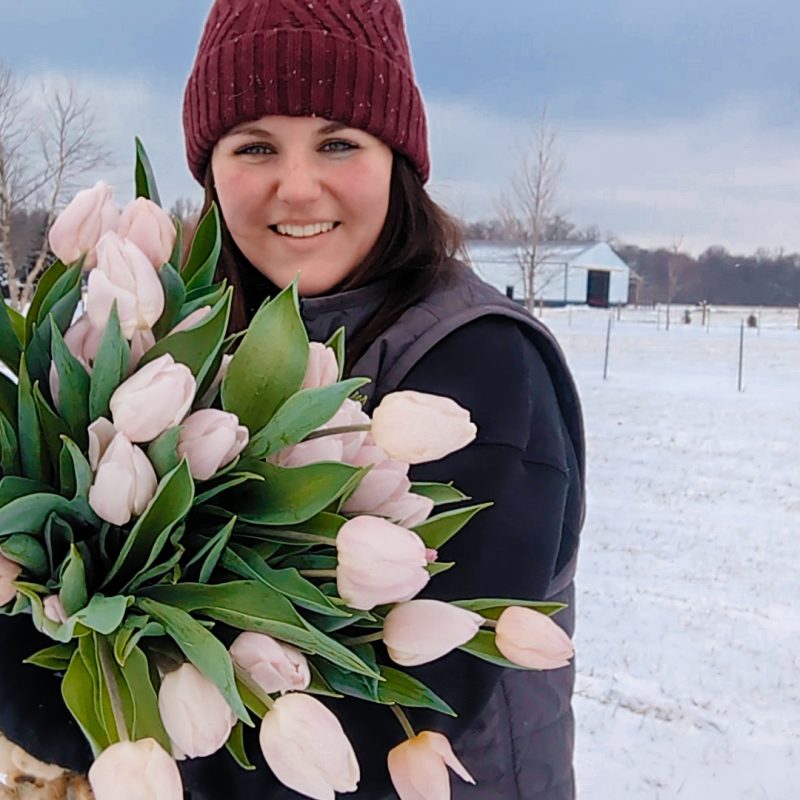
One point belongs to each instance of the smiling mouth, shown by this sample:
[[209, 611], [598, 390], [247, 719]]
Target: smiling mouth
[[304, 231]]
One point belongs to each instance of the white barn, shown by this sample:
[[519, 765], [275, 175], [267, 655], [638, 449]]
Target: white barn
[[574, 272]]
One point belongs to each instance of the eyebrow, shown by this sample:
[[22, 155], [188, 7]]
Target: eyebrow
[[256, 130]]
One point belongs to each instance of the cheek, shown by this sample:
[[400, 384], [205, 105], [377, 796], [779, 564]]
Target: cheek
[[367, 186], [240, 197]]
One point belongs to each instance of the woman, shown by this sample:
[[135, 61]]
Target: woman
[[304, 123]]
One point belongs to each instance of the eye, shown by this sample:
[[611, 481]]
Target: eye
[[254, 150], [339, 146]]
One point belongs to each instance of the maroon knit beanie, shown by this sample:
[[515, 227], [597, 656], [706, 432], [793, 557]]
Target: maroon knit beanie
[[343, 60]]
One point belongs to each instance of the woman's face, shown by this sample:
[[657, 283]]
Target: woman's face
[[302, 195]]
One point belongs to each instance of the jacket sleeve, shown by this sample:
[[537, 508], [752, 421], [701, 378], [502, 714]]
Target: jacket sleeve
[[32, 713]]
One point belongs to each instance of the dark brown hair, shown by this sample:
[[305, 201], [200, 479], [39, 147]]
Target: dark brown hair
[[414, 252]]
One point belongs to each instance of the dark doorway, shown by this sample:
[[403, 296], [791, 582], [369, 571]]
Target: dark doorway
[[597, 290]]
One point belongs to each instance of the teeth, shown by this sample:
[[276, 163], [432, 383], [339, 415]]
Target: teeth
[[302, 231]]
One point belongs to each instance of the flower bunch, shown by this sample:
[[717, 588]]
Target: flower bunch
[[165, 483]]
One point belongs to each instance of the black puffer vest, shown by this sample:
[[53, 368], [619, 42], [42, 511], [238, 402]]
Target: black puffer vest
[[521, 745]]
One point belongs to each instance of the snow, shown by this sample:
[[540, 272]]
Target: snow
[[688, 635]]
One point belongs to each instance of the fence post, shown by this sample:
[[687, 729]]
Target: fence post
[[741, 354], [608, 347], [658, 317], [798, 316], [758, 321]]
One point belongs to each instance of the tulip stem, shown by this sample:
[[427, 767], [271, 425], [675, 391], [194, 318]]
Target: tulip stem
[[110, 677], [366, 639], [336, 431], [318, 573], [403, 719], [244, 677], [489, 623]]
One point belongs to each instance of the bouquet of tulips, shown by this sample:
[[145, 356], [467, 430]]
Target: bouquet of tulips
[[210, 529]]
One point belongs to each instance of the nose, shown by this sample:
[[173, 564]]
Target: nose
[[298, 183]]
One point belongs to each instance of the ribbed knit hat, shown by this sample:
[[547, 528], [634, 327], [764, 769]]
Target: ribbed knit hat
[[343, 60]]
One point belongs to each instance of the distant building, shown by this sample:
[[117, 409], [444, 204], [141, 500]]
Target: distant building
[[574, 272]]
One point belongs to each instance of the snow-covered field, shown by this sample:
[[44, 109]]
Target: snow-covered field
[[689, 581]]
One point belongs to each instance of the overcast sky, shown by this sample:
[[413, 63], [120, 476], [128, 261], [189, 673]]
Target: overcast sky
[[677, 121]]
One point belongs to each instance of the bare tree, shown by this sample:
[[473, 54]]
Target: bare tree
[[528, 208], [42, 156]]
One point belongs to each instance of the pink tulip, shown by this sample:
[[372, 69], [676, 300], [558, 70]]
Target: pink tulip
[[196, 716], [124, 482], [195, 318], [153, 399], [210, 439], [307, 750], [385, 490], [9, 572], [423, 630], [531, 639], [350, 413], [81, 225], [149, 227], [416, 427], [418, 767], [273, 665], [54, 609], [101, 434], [322, 369], [140, 770], [125, 274], [141, 341], [378, 563]]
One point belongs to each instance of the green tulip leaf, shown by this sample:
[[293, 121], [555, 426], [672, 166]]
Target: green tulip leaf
[[235, 746], [301, 414], [197, 347], [9, 448], [73, 396], [56, 658], [110, 367], [27, 552], [493, 607], [440, 493], [171, 503], [198, 271], [32, 447], [11, 345], [438, 530], [288, 496], [251, 605], [145, 178], [201, 647], [73, 593], [401, 689], [482, 646], [277, 342]]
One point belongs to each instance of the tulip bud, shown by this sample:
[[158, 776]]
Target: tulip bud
[[322, 369], [81, 225], [54, 609], [385, 490], [101, 434], [273, 665], [531, 639], [9, 572], [195, 318], [140, 770], [416, 427], [378, 563], [196, 716], [125, 274], [124, 482], [423, 630], [149, 227], [418, 767], [307, 750], [210, 439], [155, 398]]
